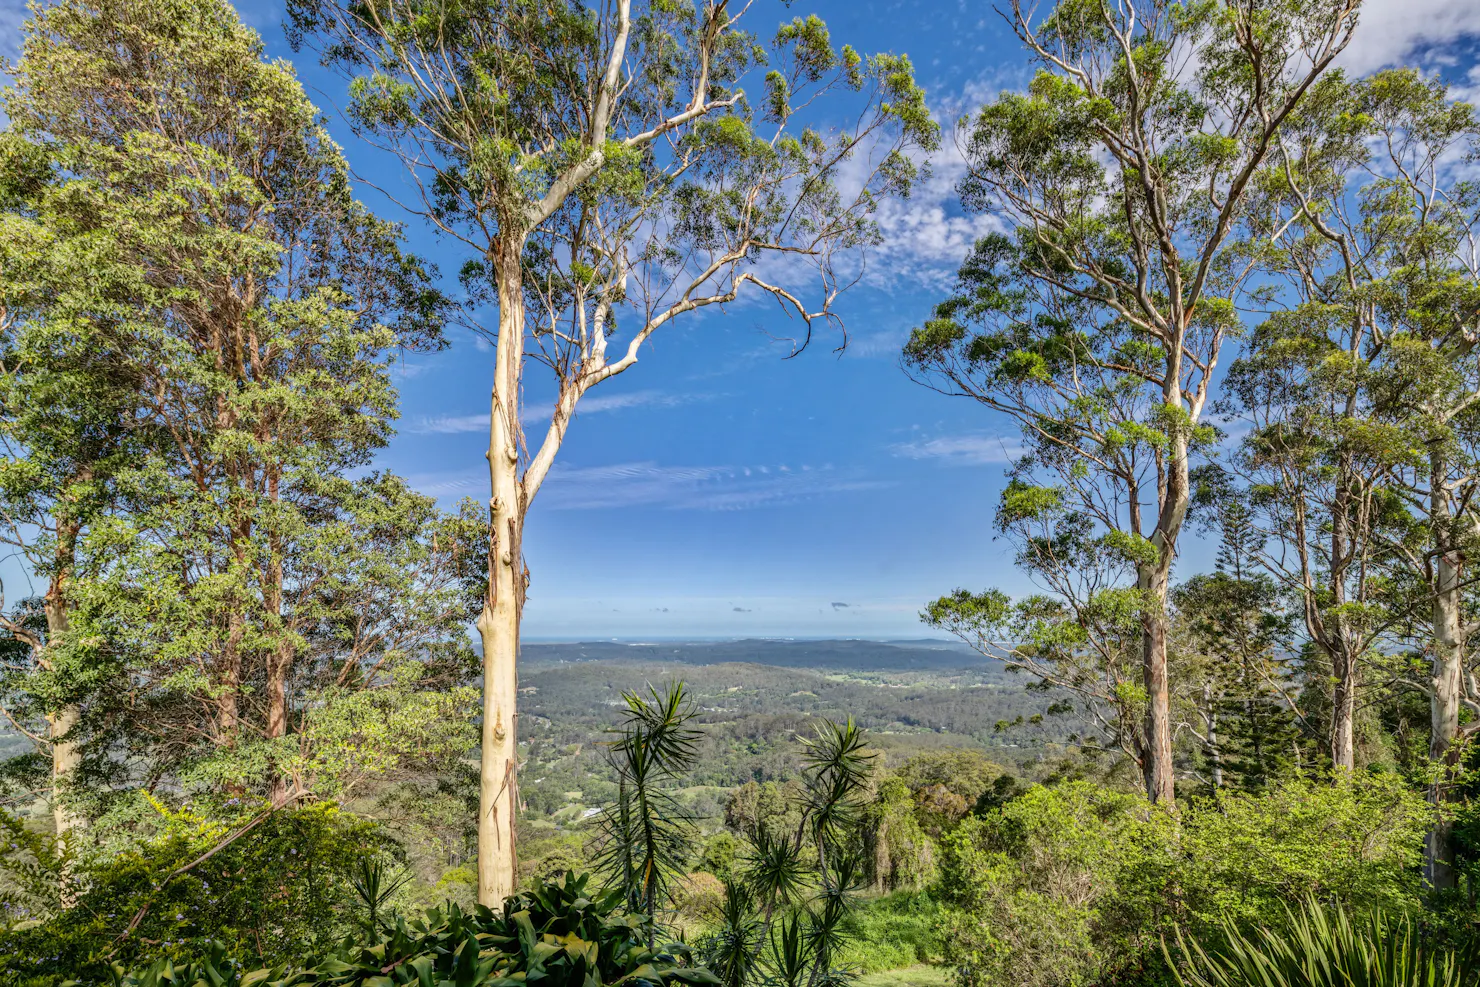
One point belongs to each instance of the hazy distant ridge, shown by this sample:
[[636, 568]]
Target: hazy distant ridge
[[840, 655]]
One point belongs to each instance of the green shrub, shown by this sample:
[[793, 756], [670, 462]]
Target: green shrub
[[894, 931], [1322, 946], [554, 935], [1060, 886], [698, 901], [1357, 840], [1076, 884], [282, 891]]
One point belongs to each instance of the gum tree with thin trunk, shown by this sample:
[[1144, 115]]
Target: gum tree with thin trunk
[[1416, 232], [1121, 177], [1364, 401], [612, 163]]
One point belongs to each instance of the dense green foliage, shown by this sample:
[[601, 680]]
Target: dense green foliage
[[555, 935], [280, 891], [1076, 884], [242, 739], [1320, 946], [233, 601]]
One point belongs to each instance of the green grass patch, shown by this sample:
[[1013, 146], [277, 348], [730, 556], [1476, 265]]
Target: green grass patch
[[919, 975], [893, 932]]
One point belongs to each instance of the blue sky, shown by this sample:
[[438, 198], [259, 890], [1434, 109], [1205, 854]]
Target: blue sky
[[731, 492]]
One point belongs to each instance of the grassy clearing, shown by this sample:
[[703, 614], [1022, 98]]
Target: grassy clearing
[[919, 975]]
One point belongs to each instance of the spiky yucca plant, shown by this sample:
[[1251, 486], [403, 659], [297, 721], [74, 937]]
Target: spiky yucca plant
[[646, 834], [1325, 946]]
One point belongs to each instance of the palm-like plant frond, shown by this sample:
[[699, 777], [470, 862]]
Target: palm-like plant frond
[[803, 883], [375, 888], [776, 871], [1322, 946], [733, 951], [835, 765], [646, 832]]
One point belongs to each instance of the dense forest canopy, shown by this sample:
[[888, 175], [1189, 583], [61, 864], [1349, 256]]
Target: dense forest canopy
[[268, 713]]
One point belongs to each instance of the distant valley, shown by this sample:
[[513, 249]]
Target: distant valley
[[755, 697]]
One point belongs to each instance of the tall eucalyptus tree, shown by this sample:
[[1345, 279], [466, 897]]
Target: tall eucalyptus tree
[[1096, 322], [601, 162]]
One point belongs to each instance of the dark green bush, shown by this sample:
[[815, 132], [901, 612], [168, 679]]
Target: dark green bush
[[281, 892], [1077, 884], [554, 935]]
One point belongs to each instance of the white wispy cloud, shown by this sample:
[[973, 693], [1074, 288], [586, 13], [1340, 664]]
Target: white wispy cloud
[[637, 399], [964, 450], [872, 343], [1394, 32], [261, 15], [401, 370], [702, 488], [459, 484], [450, 424], [928, 235], [591, 405]]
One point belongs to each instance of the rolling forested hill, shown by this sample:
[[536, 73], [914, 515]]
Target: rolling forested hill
[[756, 696]]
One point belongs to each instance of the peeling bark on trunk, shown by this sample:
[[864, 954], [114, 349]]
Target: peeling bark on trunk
[[1343, 710], [498, 624], [1158, 772], [1153, 581]]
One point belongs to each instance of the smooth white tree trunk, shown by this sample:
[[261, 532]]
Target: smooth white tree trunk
[[66, 754], [498, 624], [1448, 647], [66, 757]]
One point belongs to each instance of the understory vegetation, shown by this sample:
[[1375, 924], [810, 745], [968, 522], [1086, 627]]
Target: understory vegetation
[[266, 719]]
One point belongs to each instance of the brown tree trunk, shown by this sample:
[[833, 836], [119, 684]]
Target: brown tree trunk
[[498, 624], [279, 666], [1153, 581], [1159, 776], [66, 752], [228, 703], [280, 659]]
